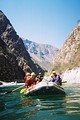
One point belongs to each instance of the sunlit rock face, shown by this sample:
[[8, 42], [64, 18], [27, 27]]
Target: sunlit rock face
[[69, 55]]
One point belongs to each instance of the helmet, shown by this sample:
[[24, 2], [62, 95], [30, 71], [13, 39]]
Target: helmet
[[52, 75], [27, 74], [40, 73], [53, 72], [33, 74]]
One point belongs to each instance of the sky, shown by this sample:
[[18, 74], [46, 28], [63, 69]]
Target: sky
[[42, 21]]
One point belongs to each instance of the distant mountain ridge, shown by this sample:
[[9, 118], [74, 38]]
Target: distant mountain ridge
[[43, 54]]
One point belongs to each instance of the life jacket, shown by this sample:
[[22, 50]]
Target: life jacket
[[58, 80], [30, 81], [52, 80]]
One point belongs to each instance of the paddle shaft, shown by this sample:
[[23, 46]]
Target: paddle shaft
[[17, 88], [14, 89]]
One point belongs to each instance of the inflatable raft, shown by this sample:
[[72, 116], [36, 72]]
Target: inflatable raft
[[45, 88]]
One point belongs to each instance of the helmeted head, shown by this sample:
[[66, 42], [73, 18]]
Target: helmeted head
[[52, 75], [28, 74], [53, 72], [33, 74]]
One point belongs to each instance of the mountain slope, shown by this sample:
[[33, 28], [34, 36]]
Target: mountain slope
[[9, 69], [69, 56], [14, 49], [43, 54]]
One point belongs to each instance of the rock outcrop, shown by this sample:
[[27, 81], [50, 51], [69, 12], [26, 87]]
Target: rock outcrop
[[9, 69], [69, 56]]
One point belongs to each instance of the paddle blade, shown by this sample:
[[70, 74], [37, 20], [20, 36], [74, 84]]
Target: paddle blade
[[22, 90]]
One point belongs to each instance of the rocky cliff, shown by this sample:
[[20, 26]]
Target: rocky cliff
[[9, 69], [13, 54], [42, 54], [69, 56]]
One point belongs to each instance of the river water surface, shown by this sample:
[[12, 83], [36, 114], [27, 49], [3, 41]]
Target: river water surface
[[16, 106]]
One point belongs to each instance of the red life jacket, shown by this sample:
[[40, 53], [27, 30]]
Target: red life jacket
[[30, 81]]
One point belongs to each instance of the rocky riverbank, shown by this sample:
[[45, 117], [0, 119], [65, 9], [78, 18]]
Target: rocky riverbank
[[72, 76]]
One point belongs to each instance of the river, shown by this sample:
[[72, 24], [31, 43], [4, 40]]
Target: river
[[16, 106]]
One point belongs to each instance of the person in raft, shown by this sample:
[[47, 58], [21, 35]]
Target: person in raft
[[51, 78], [56, 78], [30, 80], [39, 77]]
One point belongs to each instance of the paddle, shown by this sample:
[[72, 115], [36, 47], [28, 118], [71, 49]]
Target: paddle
[[14, 89], [22, 90]]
